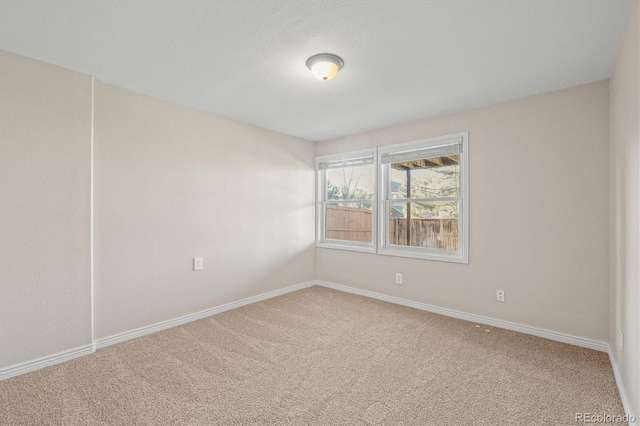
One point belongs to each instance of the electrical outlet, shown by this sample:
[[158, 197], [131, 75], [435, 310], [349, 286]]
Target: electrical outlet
[[500, 295], [198, 263], [398, 278], [620, 341]]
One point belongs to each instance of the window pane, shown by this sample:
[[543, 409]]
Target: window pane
[[430, 177], [350, 183], [348, 221], [433, 225]]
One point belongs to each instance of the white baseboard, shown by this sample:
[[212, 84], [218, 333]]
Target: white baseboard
[[45, 361], [142, 331], [547, 334], [626, 402]]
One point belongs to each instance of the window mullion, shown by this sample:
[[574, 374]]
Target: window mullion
[[421, 200], [350, 201]]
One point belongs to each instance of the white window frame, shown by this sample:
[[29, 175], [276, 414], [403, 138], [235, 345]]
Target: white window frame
[[321, 201], [430, 144]]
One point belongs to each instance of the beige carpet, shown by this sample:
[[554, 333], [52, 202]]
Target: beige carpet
[[319, 357]]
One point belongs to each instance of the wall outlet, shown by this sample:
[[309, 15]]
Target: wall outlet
[[198, 263], [620, 341], [398, 278], [500, 295]]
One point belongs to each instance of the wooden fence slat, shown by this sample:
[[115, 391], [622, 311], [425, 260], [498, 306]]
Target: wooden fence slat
[[354, 224]]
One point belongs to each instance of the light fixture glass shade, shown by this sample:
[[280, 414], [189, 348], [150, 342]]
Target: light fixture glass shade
[[324, 70], [324, 66]]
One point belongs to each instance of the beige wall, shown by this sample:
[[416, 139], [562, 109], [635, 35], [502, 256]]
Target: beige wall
[[173, 183], [45, 201], [624, 134], [538, 212]]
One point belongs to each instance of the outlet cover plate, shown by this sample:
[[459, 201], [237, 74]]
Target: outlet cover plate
[[198, 263]]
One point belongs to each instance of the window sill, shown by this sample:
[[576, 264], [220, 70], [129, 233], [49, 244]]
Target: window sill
[[362, 248], [420, 254]]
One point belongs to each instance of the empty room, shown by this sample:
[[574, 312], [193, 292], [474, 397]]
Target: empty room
[[279, 212]]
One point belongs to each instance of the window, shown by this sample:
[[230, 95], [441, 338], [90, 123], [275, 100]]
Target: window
[[346, 213], [409, 199], [424, 203]]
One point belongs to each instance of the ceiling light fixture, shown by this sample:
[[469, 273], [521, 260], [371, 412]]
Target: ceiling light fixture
[[324, 66]]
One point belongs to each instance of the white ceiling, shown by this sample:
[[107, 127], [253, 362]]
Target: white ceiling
[[404, 60]]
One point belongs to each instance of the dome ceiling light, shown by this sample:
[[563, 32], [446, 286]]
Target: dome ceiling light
[[324, 66]]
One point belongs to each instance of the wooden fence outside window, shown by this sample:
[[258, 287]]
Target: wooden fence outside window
[[354, 224]]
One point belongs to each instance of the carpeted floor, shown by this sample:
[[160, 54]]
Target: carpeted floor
[[319, 357]]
